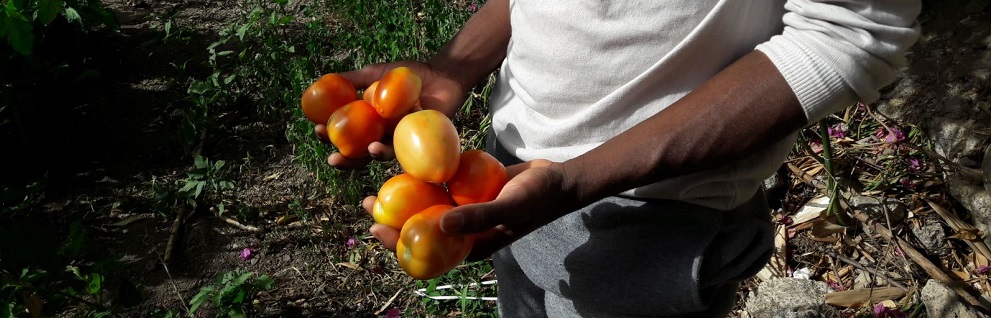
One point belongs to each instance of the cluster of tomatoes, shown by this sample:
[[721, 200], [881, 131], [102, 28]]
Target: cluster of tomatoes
[[436, 176]]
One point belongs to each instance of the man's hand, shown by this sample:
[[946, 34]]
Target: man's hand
[[529, 200]]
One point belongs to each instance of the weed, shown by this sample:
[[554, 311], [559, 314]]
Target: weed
[[232, 294]]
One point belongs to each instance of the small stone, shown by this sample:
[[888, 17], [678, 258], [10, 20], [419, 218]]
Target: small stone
[[932, 237], [940, 301], [790, 297]]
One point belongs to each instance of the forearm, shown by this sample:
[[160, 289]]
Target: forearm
[[745, 107], [480, 46]]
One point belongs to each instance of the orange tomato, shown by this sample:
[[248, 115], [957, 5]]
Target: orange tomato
[[353, 127], [402, 196], [424, 252], [369, 94], [396, 93], [427, 146], [480, 177], [326, 95]]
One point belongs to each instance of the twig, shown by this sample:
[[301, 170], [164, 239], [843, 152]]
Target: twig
[[967, 172], [927, 265], [175, 288], [864, 268], [174, 233], [389, 302], [236, 224]]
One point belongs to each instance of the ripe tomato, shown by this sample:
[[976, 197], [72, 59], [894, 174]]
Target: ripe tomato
[[425, 252], [353, 127], [369, 93], [397, 92], [480, 177], [326, 95], [402, 196], [427, 146]]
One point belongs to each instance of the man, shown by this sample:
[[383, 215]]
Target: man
[[642, 130]]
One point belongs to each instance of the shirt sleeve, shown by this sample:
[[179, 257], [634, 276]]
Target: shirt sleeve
[[834, 53]]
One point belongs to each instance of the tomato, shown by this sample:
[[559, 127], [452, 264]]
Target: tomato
[[479, 178], [402, 196], [369, 93], [425, 252], [326, 95], [427, 146], [397, 92], [353, 127]]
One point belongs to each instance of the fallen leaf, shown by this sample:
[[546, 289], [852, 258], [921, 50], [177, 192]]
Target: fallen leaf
[[859, 297], [272, 176], [823, 228]]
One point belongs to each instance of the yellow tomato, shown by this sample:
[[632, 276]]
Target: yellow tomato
[[427, 146]]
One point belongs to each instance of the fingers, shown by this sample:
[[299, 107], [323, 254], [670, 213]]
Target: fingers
[[489, 242], [385, 234], [381, 152], [321, 131], [369, 203]]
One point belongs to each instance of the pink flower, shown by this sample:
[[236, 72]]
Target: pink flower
[[816, 146], [837, 132], [352, 242], [248, 253], [786, 220], [393, 313], [914, 165], [882, 311], [836, 286], [983, 269], [473, 7], [891, 135]]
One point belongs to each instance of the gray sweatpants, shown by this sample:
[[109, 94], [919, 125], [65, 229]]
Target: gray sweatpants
[[622, 257]]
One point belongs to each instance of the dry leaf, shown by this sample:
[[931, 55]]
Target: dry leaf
[[350, 265], [272, 176], [966, 234], [859, 297], [823, 228], [811, 210]]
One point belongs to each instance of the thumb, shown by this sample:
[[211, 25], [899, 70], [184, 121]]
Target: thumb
[[365, 76], [471, 218]]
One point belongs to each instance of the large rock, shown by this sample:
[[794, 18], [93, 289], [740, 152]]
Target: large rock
[[790, 298], [940, 301]]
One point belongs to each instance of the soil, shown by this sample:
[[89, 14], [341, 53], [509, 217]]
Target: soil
[[108, 142]]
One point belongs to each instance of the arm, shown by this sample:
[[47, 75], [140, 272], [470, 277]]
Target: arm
[[829, 55]]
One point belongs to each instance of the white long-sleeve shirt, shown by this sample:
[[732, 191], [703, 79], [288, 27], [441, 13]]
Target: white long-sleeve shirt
[[578, 73]]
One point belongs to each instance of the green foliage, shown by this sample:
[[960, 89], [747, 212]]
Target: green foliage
[[467, 284], [15, 200], [20, 18], [36, 272], [205, 177], [232, 293]]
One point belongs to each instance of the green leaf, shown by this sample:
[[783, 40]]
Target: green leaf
[[72, 15], [236, 313], [17, 29], [189, 186], [199, 189], [7, 310], [95, 284], [48, 10], [200, 297], [264, 281]]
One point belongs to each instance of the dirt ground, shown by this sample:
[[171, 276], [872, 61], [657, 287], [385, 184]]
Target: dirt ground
[[109, 150]]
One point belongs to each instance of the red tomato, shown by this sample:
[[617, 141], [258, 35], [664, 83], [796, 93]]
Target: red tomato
[[424, 251], [326, 95], [427, 146], [480, 177], [403, 196], [397, 92], [353, 127]]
